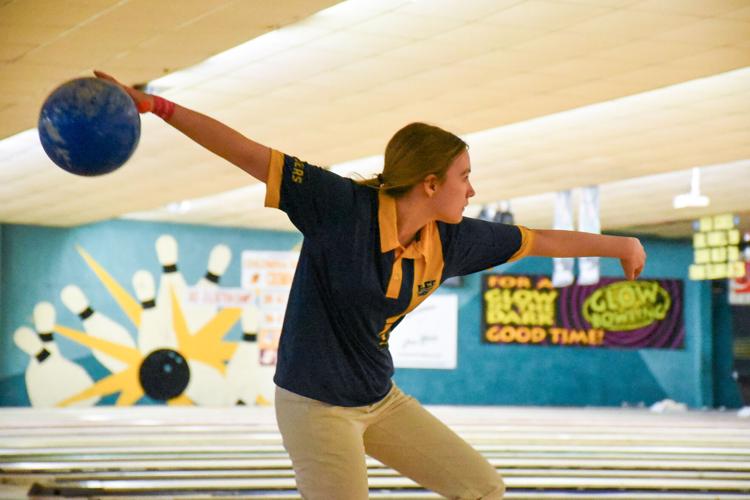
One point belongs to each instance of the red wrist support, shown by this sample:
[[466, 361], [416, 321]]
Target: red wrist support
[[162, 108]]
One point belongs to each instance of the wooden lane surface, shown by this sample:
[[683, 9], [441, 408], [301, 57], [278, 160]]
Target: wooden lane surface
[[149, 416], [191, 484], [542, 452], [417, 495], [234, 427]]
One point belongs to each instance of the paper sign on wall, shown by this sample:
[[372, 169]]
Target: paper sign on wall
[[428, 336]]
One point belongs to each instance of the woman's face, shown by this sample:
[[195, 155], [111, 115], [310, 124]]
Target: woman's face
[[452, 195]]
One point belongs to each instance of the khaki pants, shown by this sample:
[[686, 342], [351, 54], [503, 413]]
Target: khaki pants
[[327, 445]]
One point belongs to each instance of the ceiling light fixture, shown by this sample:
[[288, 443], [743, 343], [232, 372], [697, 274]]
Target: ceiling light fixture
[[694, 198]]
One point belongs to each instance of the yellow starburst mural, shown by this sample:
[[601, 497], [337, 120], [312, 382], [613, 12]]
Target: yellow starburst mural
[[177, 356], [166, 381]]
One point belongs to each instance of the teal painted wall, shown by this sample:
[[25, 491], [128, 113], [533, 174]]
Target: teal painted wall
[[31, 271], [38, 262], [579, 376]]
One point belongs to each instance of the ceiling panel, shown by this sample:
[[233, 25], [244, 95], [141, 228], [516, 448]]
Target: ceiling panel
[[552, 94]]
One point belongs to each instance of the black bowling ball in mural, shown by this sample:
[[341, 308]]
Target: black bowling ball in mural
[[164, 374]]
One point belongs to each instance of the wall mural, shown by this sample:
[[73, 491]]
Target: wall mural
[[173, 350]]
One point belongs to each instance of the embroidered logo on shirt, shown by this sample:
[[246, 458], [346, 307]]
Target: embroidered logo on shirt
[[384, 338], [298, 172], [424, 288]]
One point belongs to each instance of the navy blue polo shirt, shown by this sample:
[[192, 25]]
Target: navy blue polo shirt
[[355, 282]]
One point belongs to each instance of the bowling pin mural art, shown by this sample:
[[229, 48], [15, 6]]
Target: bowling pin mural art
[[244, 367], [49, 376], [97, 325], [173, 351]]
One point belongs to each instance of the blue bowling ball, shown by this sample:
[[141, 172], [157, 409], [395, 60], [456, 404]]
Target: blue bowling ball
[[89, 126]]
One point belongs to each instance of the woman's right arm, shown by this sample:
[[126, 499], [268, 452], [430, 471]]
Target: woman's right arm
[[213, 135]]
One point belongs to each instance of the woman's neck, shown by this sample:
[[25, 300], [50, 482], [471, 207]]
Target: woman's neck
[[411, 216]]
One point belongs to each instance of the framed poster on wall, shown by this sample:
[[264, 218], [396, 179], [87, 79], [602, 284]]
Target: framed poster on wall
[[428, 336], [614, 313]]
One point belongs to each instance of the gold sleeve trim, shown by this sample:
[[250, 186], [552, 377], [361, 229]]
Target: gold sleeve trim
[[273, 183], [527, 241]]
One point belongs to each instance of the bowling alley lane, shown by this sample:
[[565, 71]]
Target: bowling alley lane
[[560, 453]]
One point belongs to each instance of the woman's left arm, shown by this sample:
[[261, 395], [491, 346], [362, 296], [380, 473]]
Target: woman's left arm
[[555, 243]]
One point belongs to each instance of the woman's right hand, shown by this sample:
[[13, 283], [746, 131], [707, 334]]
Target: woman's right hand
[[144, 102], [635, 260]]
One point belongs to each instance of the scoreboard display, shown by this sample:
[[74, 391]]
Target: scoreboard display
[[716, 249]]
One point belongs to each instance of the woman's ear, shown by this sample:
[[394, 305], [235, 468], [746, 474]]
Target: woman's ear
[[430, 184]]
